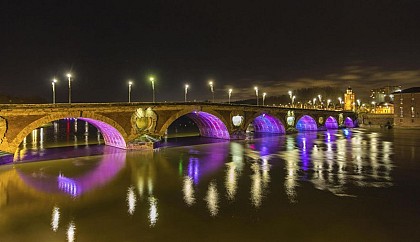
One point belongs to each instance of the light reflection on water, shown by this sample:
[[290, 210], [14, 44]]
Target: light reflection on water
[[152, 194]]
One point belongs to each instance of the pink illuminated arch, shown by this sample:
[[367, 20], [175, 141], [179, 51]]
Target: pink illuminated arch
[[209, 125], [331, 123], [111, 135], [306, 123], [268, 124]]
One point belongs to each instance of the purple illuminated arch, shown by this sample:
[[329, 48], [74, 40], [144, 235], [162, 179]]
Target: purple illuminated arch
[[331, 123], [348, 122], [209, 125], [306, 123], [111, 135], [268, 124]]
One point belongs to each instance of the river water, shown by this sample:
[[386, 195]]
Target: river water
[[341, 185]]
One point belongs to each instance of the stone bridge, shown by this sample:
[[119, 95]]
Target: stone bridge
[[138, 125]]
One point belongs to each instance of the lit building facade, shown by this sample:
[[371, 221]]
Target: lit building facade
[[407, 108], [384, 108], [349, 100], [384, 94]]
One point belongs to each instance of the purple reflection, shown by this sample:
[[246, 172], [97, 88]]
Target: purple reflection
[[268, 145], [111, 163], [331, 123], [193, 169], [306, 123], [111, 135], [349, 123], [203, 164], [305, 142], [209, 125], [268, 124]]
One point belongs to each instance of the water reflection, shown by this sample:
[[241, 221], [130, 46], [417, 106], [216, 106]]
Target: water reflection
[[171, 188], [234, 169], [344, 158], [131, 200], [71, 232], [57, 181], [212, 199], [55, 219], [188, 190], [153, 211]]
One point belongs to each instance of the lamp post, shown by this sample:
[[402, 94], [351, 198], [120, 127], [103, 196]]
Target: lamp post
[[314, 101], [53, 89], [264, 94], [230, 94], [328, 103], [186, 92], [339, 99], [256, 93], [130, 83], [69, 77], [152, 80], [293, 101], [211, 89]]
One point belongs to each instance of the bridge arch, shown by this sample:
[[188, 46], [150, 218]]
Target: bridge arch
[[113, 134], [348, 122], [331, 123], [267, 123], [306, 123], [210, 123]]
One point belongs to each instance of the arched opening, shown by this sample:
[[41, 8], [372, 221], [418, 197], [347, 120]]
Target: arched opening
[[268, 124], [348, 122], [306, 123], [207, 125], [41, 138], [331, 123]]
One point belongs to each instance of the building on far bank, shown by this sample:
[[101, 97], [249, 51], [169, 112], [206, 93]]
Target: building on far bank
[[349, 100], [384, 108], [407, 108], [384, 94]]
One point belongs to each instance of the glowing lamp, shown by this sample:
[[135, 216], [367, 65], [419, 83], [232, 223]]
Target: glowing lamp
[[237, 120]]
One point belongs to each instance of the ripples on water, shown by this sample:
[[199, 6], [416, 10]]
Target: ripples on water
[[331, 183]]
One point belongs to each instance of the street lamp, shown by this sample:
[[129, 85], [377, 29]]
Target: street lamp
[[256, 93], [152, 80], [314, 101], [293, 101], [53, 89], [264, 94], [130, 83], [328, 103], [69, 77], [340, 100], [211, 89], [320, 98], [186, 91], [230, 94]]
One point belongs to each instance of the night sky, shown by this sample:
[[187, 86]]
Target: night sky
[[277, 45]]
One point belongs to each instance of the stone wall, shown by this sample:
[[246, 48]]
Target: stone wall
[[375, 120]]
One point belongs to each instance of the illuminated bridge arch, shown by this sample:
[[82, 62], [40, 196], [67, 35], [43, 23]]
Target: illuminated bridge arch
[[209, 124], [306, 123], [266, 123], [113, 135], [331, 123], [348, 122]]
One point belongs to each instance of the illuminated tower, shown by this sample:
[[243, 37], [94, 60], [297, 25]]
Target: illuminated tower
[[349, 101]]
